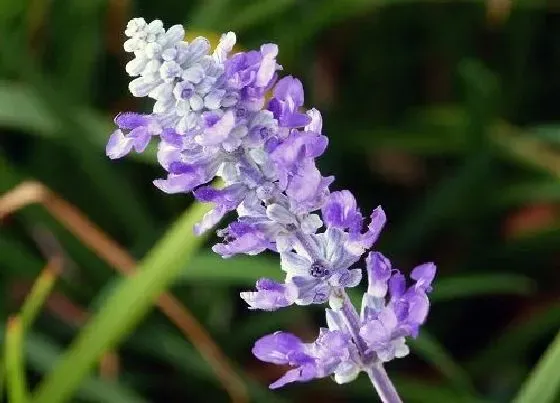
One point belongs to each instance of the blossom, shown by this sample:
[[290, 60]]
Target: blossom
[[390, 311], [213, 117], [332, 353]]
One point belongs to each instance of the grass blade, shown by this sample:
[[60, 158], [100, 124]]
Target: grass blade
[[544, 382], [124, 308], [240, 270], [39, 292], [468, 286], [15, 372]]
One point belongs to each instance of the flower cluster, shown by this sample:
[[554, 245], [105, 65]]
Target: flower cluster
[[219, 114]]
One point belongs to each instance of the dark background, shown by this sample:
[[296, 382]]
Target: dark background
[[445, 113]]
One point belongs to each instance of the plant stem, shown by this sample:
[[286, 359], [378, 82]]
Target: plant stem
[[352, 320], [377, 374], [383, 385]]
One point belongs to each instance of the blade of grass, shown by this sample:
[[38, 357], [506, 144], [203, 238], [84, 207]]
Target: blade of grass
[[544, 382], [15, 371], [241, 270], [39, 292], [518, 337], [528, 192], [119, 196], [125, 307], [24, 109], [256, 13], [42, 353], [117, 257], [449, 288]]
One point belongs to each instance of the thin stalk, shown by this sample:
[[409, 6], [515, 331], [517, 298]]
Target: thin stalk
[[15, 372], [382, 384]]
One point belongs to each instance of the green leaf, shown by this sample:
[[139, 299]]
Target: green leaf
[[37, 296], [20, 108], [23, 108], [42, 353], [468, 286], [519, 337], [257, 12], [543, 384], [238, 270], [124, 308], [528, 192], [16, 385], [427, 131]]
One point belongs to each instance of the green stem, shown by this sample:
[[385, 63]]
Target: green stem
[[15, 371], [124, 308], [543, 384]]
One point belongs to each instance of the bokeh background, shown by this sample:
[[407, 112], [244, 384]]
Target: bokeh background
[[446, 113]]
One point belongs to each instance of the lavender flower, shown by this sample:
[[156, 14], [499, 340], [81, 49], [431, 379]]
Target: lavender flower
[[390, 313], [212, 118]]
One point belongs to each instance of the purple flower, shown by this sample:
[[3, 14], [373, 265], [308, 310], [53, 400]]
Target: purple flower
[[242, 237], [382, 336], [388, 319], [211, 120], [318, 265], [226, 200], [140, 129], [269, 296], [333, 353], [288, 98], [183, 178], [341, 211]]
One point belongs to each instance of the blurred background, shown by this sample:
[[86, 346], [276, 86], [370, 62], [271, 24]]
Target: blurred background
[[443, 112]]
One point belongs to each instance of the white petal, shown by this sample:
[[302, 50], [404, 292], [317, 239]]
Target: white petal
[[346, 372], [294, 264], [311, 223], [279, 213], [196, 102], [194, 74]]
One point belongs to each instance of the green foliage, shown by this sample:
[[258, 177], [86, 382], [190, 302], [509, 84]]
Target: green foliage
[[443, 112]]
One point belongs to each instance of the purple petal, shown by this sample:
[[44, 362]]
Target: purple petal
[[118, 145], [302, 374], [378, 220], [141, 137], [424, 275], [341, 211], [182, 183], [241, 238], [310, 290], [269, 296], [210, 220], [275, 347], [217, 131], [346, 278], [305, 183], [397, 285], [171, 137], [131, 120], [295, 119], [374, 334], [289, 87], [379, 272], [418, 306]]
